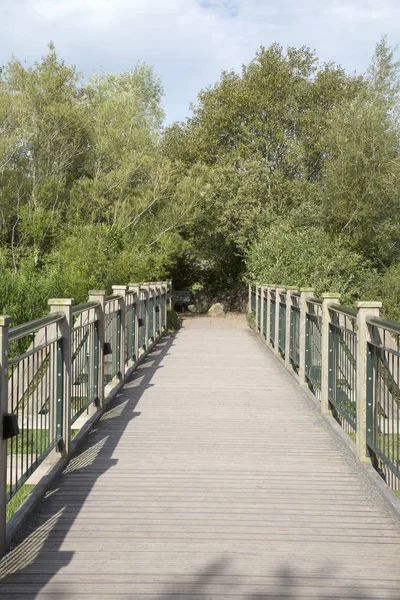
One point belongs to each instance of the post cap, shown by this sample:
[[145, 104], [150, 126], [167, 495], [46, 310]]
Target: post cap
[[369, 304], [119, 288], [97, 292], [60, 302], [5, 320], [330, 295]]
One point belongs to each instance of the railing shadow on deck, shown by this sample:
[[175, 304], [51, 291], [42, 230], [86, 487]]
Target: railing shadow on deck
[[36, 539], [285, 582]]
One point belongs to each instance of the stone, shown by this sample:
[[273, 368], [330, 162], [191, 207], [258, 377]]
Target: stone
[[203, 300], [191, 308], [216, 310]]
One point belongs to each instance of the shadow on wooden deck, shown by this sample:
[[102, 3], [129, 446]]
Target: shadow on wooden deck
[[279, 573], [36, 555]]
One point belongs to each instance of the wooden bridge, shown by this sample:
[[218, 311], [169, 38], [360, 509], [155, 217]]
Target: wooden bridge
[[211, 475]]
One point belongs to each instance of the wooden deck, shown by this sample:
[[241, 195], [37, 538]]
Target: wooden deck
[[211, 477]]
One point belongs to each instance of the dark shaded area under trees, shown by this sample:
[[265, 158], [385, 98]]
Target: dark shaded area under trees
[[288, 172]]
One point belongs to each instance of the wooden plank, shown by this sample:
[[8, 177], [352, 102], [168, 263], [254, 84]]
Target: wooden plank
[[211, 477]]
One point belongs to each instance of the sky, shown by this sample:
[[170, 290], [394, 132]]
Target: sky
[[189, 42]]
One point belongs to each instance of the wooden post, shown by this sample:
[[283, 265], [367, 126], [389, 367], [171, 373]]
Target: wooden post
[[278, 292], [249, 303], [289, 292], [364, 309], [170, 294], [120, 290], [4, 328], [65, 305], [100, 297], [305, 293], [327, 299]]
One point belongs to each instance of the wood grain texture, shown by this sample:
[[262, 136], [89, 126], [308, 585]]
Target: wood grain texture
[[213, 477]]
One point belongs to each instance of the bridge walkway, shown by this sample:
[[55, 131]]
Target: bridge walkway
[[211, 477]]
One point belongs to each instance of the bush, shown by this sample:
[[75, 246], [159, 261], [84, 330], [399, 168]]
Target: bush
[[173, 320], [287, 255], [385, 288]]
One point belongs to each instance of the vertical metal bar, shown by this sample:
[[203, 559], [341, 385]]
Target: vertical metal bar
[[64, 362], [59, 391], [99, 296], [118, 372], [371, 428], [4, 328], [96, 360]]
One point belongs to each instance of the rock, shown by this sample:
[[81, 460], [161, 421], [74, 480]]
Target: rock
[[216, 310], [202, 301], [191, 308]]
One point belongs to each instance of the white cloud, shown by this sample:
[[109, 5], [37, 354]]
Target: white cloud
[[190, 41]]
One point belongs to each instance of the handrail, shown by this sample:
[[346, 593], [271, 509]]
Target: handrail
[[61, 367], [112, 297], [25, 329], [80, 308], [349, 312], [349, 370], [314, 301], [391, 326]]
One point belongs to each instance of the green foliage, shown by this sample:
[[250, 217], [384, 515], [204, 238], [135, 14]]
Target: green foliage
[[302, 177], [173, 320], [288, 171], [87, 199], [310, 256], [385, 288]]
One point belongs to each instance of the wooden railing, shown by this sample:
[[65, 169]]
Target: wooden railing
[[349, 359], [60, 370]]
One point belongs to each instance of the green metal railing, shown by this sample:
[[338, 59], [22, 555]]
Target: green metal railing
[[350, 360], [35, 396], [130, 331], [51, 375], [142, 322], [282, 328], [272, 301], [163, 311], [295, 336], [313, 357], [343, 364], [259, 309], [85, 359], [265, 313], [112, 338], [157, 311], [253, 300], [151, 319], [383, 395]]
